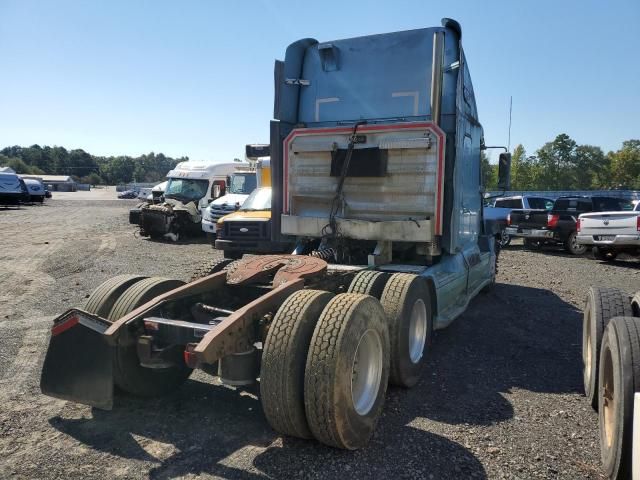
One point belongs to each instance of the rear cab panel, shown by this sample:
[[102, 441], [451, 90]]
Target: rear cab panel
[[405, 157]]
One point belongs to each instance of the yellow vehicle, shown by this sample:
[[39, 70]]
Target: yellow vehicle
[[248, 230]]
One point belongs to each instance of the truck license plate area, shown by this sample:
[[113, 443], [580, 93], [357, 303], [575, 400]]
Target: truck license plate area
[[604, 238]]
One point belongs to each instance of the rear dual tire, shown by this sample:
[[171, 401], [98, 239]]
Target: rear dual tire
[[602, 304], [284, 358], [210, 267], [118, 297], [619, 380], [407, 304], [369, 282], [325, 366], [347, 370]]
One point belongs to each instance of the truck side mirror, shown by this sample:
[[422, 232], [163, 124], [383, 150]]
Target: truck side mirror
[[504, 171], [216, 190]]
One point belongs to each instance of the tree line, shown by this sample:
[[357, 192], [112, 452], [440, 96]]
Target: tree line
[[563, 164], [87, 168]]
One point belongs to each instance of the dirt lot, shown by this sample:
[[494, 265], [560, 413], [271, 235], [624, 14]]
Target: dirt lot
[[500, 398]]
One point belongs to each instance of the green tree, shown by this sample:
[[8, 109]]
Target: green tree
[[489, 172], [521, 169], [92, 179], [555, 161], [589, 167], [625, 165]]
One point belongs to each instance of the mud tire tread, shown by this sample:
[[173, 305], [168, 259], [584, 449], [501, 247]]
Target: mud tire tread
[[322, 363], [605, 303], [369, 282], [284, 358], [107, 293], [210, 267]]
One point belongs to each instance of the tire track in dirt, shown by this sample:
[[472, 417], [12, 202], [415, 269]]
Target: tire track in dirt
[[22, 372]]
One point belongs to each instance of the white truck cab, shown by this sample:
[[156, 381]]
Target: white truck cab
[[241, 183], [245, 180], [157, 192], [199, 182], [190, 188]]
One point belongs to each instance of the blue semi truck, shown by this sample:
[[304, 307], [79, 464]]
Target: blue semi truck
[[375, 155]]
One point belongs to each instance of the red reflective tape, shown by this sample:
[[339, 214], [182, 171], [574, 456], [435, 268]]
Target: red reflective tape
[[65, 325]]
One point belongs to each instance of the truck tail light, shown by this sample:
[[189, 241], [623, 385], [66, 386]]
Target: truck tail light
[[509, 219], [638, 223], [578, 225], [552, 220]]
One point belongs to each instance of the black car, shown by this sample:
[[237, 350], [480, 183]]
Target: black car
[[559, 226], [128, 194]]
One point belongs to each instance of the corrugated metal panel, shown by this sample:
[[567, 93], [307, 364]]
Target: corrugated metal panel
[[407, 191]]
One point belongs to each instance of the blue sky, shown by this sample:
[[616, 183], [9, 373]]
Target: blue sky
[[196, 77]]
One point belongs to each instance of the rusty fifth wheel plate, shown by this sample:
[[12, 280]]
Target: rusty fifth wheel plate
[[287, 268]]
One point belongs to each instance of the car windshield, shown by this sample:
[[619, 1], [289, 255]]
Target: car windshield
[[612, 204], [186, 189], [540, 203], [243, 183], [260, 199]]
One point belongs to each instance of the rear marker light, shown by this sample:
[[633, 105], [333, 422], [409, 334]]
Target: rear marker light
[[65, 325], [190, 358]]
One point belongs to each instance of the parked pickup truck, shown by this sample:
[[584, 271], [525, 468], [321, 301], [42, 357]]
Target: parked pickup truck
[[559, 226], [610, 233], [498, 212]]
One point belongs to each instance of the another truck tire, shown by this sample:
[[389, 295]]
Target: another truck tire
[[105, 295], [210, 267], [283, 361], [407, 304], [635, 304], [572, 246], [504, 239], [128, 374], [532, 244], [347, 371], [369, 282], [233, 255], [601, 305], [619, 379], [604, 255]]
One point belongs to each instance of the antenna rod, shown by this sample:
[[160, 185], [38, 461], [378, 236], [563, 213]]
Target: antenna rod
[[510, 108]]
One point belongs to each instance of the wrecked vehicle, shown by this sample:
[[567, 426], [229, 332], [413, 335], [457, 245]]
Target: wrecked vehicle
[[190, 188]]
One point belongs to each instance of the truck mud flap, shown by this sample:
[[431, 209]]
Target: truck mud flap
[[79, 362]]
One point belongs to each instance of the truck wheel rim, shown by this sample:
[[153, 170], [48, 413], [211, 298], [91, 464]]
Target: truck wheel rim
[[504, 238], [366, 372], [588, 356], [417, 330], [574, 243], [608, 403]]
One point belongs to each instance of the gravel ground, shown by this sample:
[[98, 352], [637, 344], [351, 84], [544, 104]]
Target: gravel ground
[[501, 396]]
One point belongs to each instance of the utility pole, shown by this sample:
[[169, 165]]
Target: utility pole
[[510, 108]]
